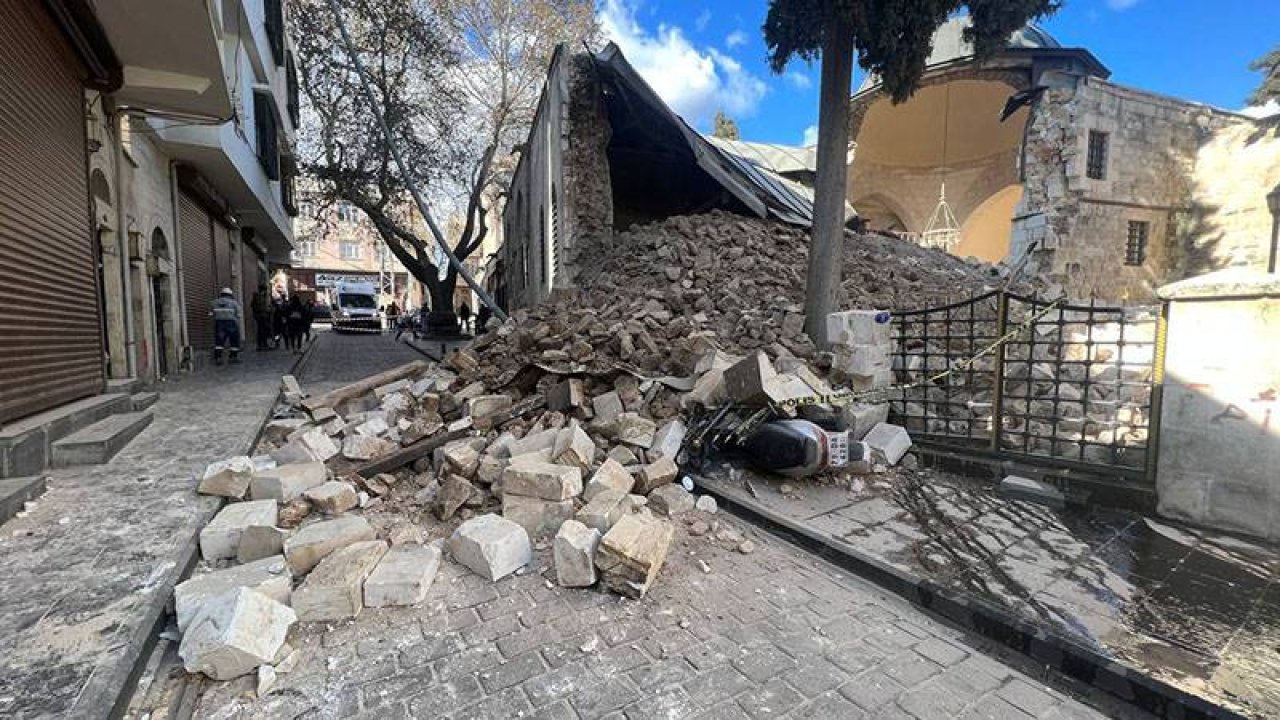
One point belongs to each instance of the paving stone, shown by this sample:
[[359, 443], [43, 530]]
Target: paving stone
[[762, 663], [1027, 697], [403, 576], [334, 590], [670, 704], [269, 576], [652, 676], [287, 482], [603, 696], [227, 478], [815, 676], [510, 703], [513, 672], [872, 690], [941, 652], [537, 517], [631, 554], [574, 551], [991, 707], [233, 633], [491, 546], [545, 481], [220, 539], [770, 700], [333, 498], [313, 543], [718, 684], [831, 705], [446, 697]]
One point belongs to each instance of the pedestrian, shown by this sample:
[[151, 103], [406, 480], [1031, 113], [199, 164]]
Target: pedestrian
[[293, 324], [464, 316], [482, 319], [308, 317], [226, 326], [261, 308], [277, 321]]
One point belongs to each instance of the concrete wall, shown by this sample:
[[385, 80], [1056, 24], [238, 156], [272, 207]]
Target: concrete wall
[[1219, 462]]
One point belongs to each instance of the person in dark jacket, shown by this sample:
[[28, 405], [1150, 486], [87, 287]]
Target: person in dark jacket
[[464, 316], [261, 307], [308, 317], [482, 318], [293, 324]]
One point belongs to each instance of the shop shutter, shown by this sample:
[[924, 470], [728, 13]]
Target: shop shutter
[[198, 281], [50, 326], [250, 278]]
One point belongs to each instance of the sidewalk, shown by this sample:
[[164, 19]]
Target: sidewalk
[[88, 571], [1132, 597]]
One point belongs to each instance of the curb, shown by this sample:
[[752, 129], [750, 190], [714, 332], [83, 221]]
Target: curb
[[117, 688], [1045, 648]]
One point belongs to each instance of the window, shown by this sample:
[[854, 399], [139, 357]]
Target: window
[[291, 86], [1096, 167], [349, 250], [275, 28], [1135, 247], [267, 134], [346, 212], [307, 248]]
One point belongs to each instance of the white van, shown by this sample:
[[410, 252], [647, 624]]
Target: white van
[[355, 306]]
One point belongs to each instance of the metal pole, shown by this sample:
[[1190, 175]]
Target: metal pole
[[400, 164], [1275, 242]]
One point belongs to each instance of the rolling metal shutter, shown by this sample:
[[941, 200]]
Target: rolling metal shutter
[[248, 286], [50, 326], [199, 283]]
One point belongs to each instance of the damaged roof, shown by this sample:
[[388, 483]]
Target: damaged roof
[[745, 172]]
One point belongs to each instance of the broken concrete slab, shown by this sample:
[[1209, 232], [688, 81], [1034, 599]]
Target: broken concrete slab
[[574, 551], [535, 515], [545, 481], [491, 546], [403, 576], [604, 510], [333, 498], [234, 633], [609, 476], [671, 500], [888, 443], [574, 446], [655, 475], [269, 576], [227, 478], [667, 440], [314, 542], [287, 482], [335, 588], [220, 539], [258, 542], [632, 552], [1036, 491]]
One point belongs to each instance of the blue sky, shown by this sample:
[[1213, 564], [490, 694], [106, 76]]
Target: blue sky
[[704, 55]]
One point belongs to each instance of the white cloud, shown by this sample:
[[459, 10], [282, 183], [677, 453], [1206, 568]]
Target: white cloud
[[799, 80], [1121, 5], [694, 82], [810, 136], [704, 17], [737, 38], [1262, 111]]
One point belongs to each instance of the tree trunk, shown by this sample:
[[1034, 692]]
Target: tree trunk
[[827, 235], [442, 321]]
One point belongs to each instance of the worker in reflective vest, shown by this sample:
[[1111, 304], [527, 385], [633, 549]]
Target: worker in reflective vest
[[226, 326]]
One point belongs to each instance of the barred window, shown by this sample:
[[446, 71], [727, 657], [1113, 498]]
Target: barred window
[[1096, 167], [1135, 247], [349, 250]]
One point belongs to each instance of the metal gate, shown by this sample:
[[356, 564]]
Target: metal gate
[[1073, 386]]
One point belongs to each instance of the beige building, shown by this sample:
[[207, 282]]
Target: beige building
[[336, 243]]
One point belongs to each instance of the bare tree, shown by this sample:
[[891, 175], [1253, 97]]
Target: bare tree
[[458, 83]]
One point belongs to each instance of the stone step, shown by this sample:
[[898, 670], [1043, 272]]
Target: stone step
[[15, 492], [26, 445], [144, 400], [99, 442], [124, 385]]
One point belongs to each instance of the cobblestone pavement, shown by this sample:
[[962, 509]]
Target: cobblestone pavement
[[341, 358], [89, 568], [775, 633]]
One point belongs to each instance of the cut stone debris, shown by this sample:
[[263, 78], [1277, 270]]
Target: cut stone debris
[[634, 429], [333, 498], [306, 445], [574, 447], [269, 576], [286, 482], [234, 633], [607, 406], [859, 418], [1036, 491], [609, 476], [545, 481], [454, 491], [537, 517], [632, 552], [220, 539], [745, 381], [604, 510], [706, 504], [667, 440], [566, 395], [403, 576], [671, 500], [258, 542], [335, 588], [574, 551], [655, 475], [491, 546], [888, 443], [313, 543], [227, 478]]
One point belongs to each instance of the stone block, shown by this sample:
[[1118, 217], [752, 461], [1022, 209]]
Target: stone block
[[392, 388], [862, 360], [1022, 488], [258, 542], [485, 406], [632, 552], [287, 482], [574, 447], [609, 476], [289, 386], [307, 445], [607, 407], [313, 543], [623, 455], [489, 471], [574, 551], [707, 391], [277, 431], [323, 415], [782, 388], [533, 442], [403, 576], [655, 475], [604, 510], [566, 396], [545, 481], [888, 443], [362, 448], [234, 633], [373, 427], [634, 429], [461, 458], [227, 478], [220, 539], [671, 500], [536, 516], [706, 504], [335, 588], [859, 418], [858, 327], [333, 498], [667, 440], [745, 381], [454, 491], [269, 576], [491, 546]]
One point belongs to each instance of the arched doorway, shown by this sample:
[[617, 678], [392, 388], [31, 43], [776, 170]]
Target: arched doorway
[[985, 234]]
